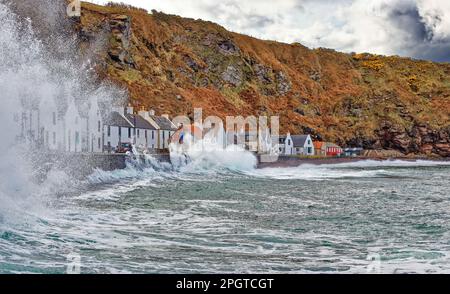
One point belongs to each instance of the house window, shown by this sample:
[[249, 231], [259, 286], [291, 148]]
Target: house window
[[289, 142], [309, 142], [146, 136], [138, 133], [99, 143], [120, 132], [54, 118], [129, 132], [153, 135], [99, 127], [109, 131]]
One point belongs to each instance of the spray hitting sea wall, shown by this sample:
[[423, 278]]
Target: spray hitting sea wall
[[38, 67]]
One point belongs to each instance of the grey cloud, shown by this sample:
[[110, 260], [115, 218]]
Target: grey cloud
[[421, 43], [414, 28]]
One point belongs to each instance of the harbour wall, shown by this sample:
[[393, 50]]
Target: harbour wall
[[82, 164]]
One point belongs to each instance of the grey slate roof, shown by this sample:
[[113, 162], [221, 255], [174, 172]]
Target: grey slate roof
[[299, 140], [163, 123], [117, 120], [139, 122]]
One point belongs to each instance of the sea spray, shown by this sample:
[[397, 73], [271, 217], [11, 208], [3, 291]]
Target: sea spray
[[38, 65], [210, 154], [200, 158]]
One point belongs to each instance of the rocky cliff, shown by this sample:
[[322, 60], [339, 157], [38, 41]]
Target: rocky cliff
[[174, 64]]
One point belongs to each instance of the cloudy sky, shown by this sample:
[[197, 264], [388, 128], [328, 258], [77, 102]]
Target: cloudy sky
[[415, 28]]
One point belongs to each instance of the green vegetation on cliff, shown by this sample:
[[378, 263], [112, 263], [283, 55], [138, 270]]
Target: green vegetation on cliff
[[174, 64]]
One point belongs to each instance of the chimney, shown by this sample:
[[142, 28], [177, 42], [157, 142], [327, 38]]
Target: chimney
[[130, 110], [165, 116], [151, 112], [143, 113]]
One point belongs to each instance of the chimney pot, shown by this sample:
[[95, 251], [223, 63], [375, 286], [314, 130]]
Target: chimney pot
[[143, 113]]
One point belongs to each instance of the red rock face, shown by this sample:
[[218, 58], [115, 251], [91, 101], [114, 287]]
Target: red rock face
[[426, 149], [173, 64], [443, 149]]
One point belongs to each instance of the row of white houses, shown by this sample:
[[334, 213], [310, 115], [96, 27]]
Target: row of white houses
[[91, 130], [44, 127], [144, 130]]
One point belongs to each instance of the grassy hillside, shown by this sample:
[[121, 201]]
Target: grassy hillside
[[174, 64]]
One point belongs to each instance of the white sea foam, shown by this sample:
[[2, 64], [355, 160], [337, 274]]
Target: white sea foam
[[359, 169], [207, 154], [29, 73]]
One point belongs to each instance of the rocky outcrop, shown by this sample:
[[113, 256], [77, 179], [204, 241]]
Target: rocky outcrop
[[263, 73], [283, 83], [233, 76], [119, 50], [227, 47], [419, 139], [427, 140]]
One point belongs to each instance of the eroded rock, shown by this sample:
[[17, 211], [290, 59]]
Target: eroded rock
[[232, 76], [228, 47], [283, 83], [119, 51]]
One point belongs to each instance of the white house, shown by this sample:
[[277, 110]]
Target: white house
[[73, 129], [48, 124], [94, 129], [147, 133], [164, 127], [29, 125], [118, 129], [296, 145]]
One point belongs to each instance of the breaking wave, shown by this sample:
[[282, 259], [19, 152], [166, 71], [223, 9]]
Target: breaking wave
[[29, 73], [214, 161]]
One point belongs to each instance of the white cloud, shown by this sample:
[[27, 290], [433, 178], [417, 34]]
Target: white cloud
[[416, 28]]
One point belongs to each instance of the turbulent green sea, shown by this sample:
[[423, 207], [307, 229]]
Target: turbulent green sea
[[217, 214], [388, 217]]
